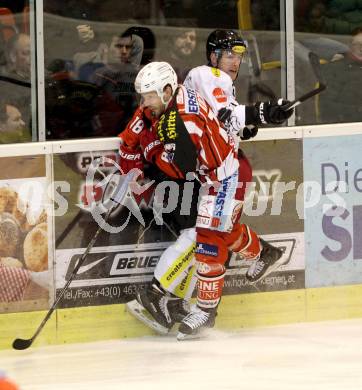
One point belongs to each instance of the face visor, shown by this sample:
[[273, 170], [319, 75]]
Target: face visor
[[235, 52]]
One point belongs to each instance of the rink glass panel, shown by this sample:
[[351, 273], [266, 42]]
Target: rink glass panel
[[327, 29], [25, 267], [18, 103], [89, 89]]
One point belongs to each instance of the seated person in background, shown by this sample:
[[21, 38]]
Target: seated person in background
[[149, 42], [15, 85], [12, 126], [17, 57], [117, 77], [341, 102], [75, 109], [90, 54], [180, 49], [2, 48]]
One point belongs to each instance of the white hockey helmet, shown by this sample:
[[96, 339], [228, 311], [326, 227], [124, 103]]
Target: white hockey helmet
[[154, 77]]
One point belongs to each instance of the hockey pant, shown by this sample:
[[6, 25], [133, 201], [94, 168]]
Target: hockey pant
[[219, 230], [176, 268]]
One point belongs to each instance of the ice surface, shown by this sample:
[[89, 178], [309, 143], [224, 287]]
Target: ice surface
[[314, 356]]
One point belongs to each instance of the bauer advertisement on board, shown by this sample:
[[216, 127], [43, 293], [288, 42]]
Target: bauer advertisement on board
[[25, 278]]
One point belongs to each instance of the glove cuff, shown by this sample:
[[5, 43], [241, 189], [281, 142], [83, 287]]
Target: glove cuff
[[151, 149], [256, 115]]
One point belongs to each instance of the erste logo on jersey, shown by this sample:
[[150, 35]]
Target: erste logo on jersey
[[219, 95], [191, 104]]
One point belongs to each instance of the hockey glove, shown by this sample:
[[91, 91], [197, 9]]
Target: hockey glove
[[230, 123], [150, 145], [248, 132], [129, 159], [224, 115], [268, 113]]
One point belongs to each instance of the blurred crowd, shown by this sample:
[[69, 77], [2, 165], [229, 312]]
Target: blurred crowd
[[90, 71]]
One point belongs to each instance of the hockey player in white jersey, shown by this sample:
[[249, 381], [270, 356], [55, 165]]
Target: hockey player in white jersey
[[173, 284], [225, 51]]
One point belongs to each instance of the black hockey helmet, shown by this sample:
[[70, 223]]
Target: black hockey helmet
[[224, 40]]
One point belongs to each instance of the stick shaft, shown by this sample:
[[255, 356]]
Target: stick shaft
[[306, 96], [123, 190]]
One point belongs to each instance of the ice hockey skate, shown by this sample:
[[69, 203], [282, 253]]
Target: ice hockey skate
[[271, 258], [195, 323], [158, 310]]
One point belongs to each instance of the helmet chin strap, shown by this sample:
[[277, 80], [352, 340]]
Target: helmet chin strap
[[165, 102]]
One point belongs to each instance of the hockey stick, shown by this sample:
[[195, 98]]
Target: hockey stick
[[69, 227], [314, 61], [120, 194]]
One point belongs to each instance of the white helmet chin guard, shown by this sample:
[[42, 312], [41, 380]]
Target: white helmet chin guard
[[154, 77]]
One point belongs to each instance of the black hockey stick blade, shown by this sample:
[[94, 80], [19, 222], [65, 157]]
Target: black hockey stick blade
[[21, 344], [26, 343]]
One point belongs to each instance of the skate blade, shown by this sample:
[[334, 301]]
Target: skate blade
[[184, 337], [138, 311], [283, 260]]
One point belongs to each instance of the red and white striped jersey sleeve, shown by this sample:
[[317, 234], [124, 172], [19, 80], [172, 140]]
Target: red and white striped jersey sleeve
[[216, 154], [217, 88]]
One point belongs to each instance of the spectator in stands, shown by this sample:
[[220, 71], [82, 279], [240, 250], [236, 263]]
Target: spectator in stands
[[328, 16], [12, 126], [15, 81], [316, 17], [2, 49], [18, 57], [179, 50], [342, 17], [149, 42], [116, 78], [341, 102], [90, 54], [125, 49], [75, 109]]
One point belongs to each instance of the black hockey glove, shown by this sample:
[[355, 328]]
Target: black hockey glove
[[268, 113], [248, 132], [224, 116]]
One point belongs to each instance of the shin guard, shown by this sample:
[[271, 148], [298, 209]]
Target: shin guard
[[247, 244]]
